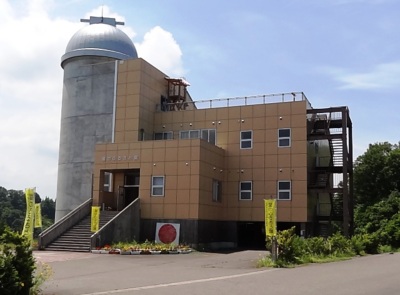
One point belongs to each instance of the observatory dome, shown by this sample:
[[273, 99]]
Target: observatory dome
[[100, 38]]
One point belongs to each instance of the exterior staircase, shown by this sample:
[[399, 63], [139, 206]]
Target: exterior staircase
[[77, 238]]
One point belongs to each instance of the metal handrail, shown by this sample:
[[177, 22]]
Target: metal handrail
[[245, 100]]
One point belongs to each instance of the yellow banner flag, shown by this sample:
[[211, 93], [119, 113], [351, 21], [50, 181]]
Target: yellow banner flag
[[38, 215], [95, 220], [270, 218], [30, 211]]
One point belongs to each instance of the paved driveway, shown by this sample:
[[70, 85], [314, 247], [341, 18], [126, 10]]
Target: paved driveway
[[212, 273]]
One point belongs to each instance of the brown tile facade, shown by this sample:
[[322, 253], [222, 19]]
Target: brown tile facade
[[191, 166]]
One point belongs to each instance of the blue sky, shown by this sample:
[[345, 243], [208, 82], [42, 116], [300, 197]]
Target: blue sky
[[338, 52]]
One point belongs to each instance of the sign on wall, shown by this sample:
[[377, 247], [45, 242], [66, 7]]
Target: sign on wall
[[167, 233]]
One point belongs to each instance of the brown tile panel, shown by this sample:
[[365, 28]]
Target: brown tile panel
[[189, 164]]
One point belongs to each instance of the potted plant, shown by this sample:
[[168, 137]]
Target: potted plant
[[173, 249], [156, 249], [184, 249], [125, 249], [105, 249]]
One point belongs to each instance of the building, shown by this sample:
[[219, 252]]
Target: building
[[206, 165]]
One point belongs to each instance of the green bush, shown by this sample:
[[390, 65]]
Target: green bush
[[293, 249], [385, 249], [317, 246], [372, 243], [340, 245], [390, 234], [17, 264], [289, 246], [358, 244], [9, 282]]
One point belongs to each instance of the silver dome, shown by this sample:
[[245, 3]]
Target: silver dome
[[100, 38]]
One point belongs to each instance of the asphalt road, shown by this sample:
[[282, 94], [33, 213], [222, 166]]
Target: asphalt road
[[211, 273]]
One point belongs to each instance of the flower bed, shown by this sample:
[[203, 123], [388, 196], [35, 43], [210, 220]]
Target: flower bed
[[146, 248]]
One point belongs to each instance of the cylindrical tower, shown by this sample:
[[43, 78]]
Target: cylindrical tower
[[87, 105]]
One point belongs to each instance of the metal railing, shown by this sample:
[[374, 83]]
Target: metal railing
[[238, 101]]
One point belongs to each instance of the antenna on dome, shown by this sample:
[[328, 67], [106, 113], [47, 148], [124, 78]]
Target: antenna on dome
[[102, 20]]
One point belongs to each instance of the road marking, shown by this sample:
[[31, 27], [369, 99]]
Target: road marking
[[181, 283]]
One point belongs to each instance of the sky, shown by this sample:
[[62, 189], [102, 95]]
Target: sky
[[338, 52]]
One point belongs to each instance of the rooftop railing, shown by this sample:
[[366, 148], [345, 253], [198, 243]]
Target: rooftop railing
[[235, 101]]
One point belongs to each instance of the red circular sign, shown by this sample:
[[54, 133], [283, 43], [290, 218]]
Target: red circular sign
[[167, 233]]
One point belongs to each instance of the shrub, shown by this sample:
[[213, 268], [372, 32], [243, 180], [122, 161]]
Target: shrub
[[290, 247], [340, 245], [385, 249], [391, 232], [317, 246], [18, 260], [9, 281], [372, 243], [358, 244]]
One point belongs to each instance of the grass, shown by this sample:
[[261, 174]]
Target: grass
[[267, 261]]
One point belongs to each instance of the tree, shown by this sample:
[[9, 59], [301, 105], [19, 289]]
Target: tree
[[376, 173], [13, 209], [376, 189], [381, 219], [49, 208]]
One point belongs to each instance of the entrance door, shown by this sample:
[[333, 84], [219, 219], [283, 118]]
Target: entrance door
[[131, 194], [131, 186]]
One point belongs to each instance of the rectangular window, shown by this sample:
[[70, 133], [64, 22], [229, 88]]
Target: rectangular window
[[163, 135], [157, 186], [216, 190], [245, 190], [183, 134], [194, 134], [284, 137], [209, 135], [206, 134], [246, 139], [107, 186], [284, 190], [189, 134]]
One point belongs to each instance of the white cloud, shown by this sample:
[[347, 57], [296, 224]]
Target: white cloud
[[32, 43], [382, 76], [161, 49], [30, 95]]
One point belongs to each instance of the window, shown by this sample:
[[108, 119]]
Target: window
[[216, 190], [245, 190], [157, 186], [209, 135], [284, 190], [189, 134], [163, 135], [184, 134], [284, 137], [107, 185], [246, 139], [206, 134]]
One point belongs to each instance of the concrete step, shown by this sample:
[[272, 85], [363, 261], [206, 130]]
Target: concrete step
[[76, 249], [77, 238]]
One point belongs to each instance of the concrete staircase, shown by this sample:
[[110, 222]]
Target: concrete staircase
[[77, 238]]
